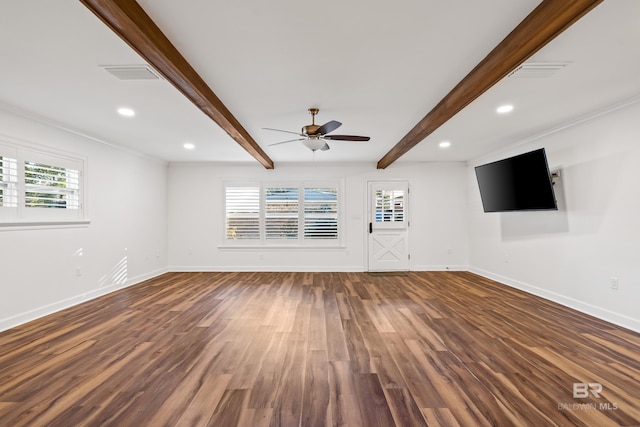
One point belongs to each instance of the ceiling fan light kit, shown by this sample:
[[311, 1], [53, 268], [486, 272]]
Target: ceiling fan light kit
[[314, 143], [315, 137]]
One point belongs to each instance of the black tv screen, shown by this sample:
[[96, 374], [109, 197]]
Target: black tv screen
[[519, 183]]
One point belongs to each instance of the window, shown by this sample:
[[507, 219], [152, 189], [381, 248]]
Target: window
[[8, 182], [295, 214], [320, 213], [242, 213], [389, 205], [38, 186], [48, 186], [281, 213]]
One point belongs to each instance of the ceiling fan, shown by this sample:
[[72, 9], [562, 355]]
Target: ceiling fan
[[315, 137]]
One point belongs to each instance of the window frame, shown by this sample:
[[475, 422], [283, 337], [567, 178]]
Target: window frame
[[300, 241], [24, 217]]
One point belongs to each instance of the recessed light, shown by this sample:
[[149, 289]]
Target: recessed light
[[127, 112], [189, 146], [503, 109], [444, 144]]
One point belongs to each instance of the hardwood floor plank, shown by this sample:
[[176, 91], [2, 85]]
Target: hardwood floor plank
[[201, 407], [374, 407], [344, 401], [357, 348], [230, 409], [301, 321], [403, 407], [259, 417], [440, 417], [265, 387], [381, 361], [378, 317], [307, 349], [316, 393], [336, 341], [426, 395], [244, 377]]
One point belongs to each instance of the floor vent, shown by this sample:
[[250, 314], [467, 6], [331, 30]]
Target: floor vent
[[132, 72], [537, 69]]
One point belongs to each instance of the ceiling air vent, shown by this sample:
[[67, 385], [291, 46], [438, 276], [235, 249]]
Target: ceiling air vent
[[132, 72], [537, 69]]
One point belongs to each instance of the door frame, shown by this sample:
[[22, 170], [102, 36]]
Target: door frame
[[369, 212]]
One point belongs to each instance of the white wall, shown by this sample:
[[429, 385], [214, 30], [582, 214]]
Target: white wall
[[196, 217], [570, 255], [125, 242]]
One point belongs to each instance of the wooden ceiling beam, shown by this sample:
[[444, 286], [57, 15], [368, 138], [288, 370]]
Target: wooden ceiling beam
[[129, 21], [542, 25]]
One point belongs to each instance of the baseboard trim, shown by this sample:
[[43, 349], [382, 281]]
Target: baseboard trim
[[583, 307], [439, 268], [37, 313], [302, 269], [264, 269]]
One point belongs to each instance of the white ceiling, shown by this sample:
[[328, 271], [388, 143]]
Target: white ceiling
[[377, 67]]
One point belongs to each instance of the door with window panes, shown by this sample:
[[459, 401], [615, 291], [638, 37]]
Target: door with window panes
[[388, 241]]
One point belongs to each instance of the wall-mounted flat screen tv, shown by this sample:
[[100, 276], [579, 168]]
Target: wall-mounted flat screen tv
[[519, 183]]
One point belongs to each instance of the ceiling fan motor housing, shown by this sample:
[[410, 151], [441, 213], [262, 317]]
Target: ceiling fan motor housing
[[310, 129], [313, 127]]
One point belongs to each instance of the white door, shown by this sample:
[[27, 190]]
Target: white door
[[388, 226]]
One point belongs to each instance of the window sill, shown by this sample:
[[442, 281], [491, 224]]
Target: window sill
[[258, 247], [42, 224]]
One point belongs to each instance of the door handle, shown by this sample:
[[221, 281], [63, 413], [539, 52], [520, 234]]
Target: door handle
[[370, 227]]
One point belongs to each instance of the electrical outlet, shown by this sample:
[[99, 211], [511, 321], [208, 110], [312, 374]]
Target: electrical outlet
[[78, 271], [614, 283]]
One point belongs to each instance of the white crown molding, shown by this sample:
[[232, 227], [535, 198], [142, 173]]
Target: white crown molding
[[566, 125], [12, 109]]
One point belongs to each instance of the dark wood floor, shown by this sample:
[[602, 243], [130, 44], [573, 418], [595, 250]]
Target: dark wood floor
[[307, 349]]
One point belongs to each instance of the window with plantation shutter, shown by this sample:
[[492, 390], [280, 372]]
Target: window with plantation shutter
[[48, 186], [281, 213], [8, 182], [390, 206], [242, 213], [297, 214], [321, 213], [39, 186]]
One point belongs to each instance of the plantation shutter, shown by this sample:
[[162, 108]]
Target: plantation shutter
[[281, 212], [48, 186], [8, 182], [242, 213], [321, 213], [390, 206]]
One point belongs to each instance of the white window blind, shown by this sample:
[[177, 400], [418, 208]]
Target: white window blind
[[242, 213], [48, 186], [281, 212], [290, 214], [390, 205], [8, 182], [321, 213]]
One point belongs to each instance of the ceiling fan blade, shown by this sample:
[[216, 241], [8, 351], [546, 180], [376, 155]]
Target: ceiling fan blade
[[328, 127], [286, 131], [325, 147], [284, 142], [347, 138]]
